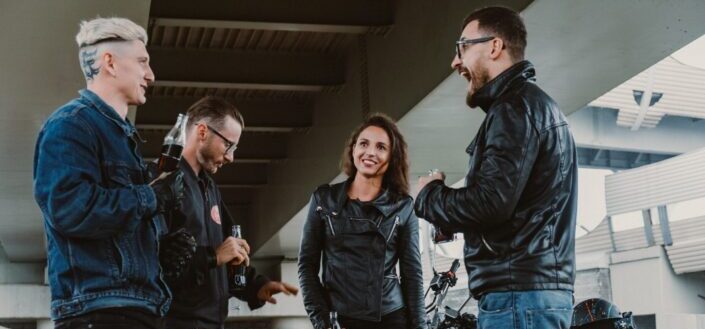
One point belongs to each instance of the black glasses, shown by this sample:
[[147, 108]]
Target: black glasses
[[463, 42], [229, 145]]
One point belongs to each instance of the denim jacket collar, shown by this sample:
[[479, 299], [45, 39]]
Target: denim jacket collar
[[108, 111]]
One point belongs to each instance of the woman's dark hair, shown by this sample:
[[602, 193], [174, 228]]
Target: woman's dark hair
[[396, 178]]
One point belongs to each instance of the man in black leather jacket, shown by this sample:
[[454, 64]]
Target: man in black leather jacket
[[517, 211], [202, 283]]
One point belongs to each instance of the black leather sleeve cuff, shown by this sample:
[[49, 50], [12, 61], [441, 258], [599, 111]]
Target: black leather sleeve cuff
[[425, 198]]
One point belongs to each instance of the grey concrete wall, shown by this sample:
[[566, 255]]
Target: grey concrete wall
[[643, 282], [592, 283]]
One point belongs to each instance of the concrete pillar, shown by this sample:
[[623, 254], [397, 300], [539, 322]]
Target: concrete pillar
[[291, 323]]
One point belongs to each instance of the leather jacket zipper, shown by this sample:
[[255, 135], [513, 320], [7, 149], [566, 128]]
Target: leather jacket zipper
[[487, 245], [327, 215], [396, 222]]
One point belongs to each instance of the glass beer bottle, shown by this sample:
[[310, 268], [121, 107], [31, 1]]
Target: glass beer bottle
[[173, 145], [240, 279]]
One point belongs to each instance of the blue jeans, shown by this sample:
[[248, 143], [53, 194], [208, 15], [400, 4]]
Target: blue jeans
[[533, 309]]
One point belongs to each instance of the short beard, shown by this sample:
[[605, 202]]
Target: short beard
[[205, 156], [480, 78]]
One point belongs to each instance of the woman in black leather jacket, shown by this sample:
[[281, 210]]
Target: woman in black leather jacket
[[361, 229]]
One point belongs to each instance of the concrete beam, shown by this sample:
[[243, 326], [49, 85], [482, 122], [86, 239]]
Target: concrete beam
[[255, 129], [252, 146], [257, 113], [596, 128], [288, 15], [20, 272], [213, 68], [617, 159], [262, 26]]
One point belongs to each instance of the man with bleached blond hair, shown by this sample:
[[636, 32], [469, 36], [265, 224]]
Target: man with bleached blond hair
[[102, 217]]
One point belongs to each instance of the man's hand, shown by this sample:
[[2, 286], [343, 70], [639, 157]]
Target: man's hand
[[169, 191], [175, 253], [424, 180], [233, 251], [152, 172], [274, 287]]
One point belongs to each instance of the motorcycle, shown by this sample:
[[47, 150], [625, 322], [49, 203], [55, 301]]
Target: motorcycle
[[441, 316]]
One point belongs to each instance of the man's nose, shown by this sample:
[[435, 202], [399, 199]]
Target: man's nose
[[456, 62], [149, 75], [229, 157]]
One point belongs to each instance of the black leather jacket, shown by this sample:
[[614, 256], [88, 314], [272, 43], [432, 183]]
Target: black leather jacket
[[518, 208], [201, 294], [360, 254]]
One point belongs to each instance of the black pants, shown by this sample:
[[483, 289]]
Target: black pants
[[112, 318], [394, 320]]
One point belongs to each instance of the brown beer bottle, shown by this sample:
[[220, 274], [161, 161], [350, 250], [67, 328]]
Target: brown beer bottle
[[173, 145], [240, 279]]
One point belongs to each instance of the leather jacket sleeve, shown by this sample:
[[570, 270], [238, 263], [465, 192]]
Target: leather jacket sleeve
[[492, 193], [249, 294], [309, 266], [204, 258], [411, 271]]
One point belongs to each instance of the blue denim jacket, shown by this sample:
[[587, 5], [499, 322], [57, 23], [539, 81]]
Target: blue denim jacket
[[99, 213]]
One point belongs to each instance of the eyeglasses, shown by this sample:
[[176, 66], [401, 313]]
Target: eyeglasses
[[464, 42], [229, 145]]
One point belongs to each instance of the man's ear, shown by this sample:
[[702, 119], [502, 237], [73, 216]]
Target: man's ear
[[108, 63], [497, 46], [201, 132]]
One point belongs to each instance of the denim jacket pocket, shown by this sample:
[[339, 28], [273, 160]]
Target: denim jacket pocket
[[116, 259], [133, 257]]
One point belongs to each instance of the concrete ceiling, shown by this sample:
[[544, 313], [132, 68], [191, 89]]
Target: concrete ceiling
[[304, 75]]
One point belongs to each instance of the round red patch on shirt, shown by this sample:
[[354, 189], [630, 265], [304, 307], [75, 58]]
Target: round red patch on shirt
[[215, 214]]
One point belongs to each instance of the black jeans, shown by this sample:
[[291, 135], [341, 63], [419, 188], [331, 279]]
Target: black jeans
[[112, 318], [394, 320]]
